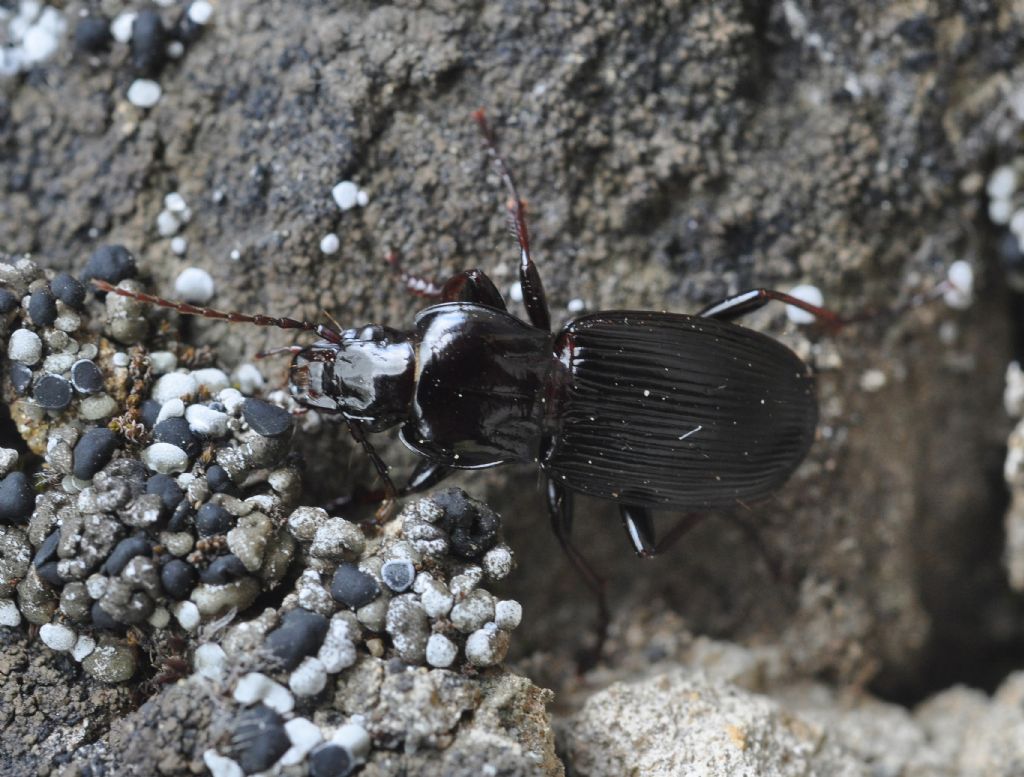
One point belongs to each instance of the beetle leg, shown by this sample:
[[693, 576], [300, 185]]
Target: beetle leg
[[733, 307], [359, 435], [415, 284], [640, 528], [529, 279], [560, 510], [426, 475]]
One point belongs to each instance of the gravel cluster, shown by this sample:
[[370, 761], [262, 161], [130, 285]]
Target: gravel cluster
[[167, 500]]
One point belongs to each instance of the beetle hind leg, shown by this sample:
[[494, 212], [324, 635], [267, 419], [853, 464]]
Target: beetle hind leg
[[640, 527]]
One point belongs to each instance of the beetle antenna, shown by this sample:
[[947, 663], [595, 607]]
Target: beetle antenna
[[517, 208], [241, 318]]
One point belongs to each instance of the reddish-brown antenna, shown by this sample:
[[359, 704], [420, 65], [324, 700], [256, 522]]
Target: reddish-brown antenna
[[241, 318]]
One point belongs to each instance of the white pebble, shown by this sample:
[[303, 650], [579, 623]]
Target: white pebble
[[498, 562], [960, 278], [83, 648], [249, 378], [211, 661], [220, 765], [161, 616], [174, 385], [144, 93], [57, 637], [25, 346], [515, 292], [1017, 223], [362, 199], [200, 12], [167, 224], [187, 614], [304, 735], [206, 421], [9, 614], [175, 203], [172, 408], [486, 646], [194, 285], [441, 651], [96, 585], [1002, 183], [508, 614], [165, 458], [212, 379], [1000, 211], [576, 305], [256, 687], [309, 677], [121, 27], [353, 738], [329, 243], [338, 650], [162, 362], [175, 49], [346, 195], [120, 359], [806, 293], [179, 245], [872, 380], [232, 400], [40, 43]]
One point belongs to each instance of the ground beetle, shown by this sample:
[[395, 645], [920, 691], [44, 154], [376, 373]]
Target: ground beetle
[[650, 410]]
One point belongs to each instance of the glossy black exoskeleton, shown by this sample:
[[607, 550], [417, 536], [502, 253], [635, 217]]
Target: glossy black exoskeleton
[[651, 410]]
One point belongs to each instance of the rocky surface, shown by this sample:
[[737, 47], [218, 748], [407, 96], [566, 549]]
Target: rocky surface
[[671, 153]]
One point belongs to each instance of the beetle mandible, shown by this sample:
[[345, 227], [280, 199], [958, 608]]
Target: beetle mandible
[[651, 410]]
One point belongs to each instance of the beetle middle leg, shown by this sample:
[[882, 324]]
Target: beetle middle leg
[[640, 527], [739, 305]]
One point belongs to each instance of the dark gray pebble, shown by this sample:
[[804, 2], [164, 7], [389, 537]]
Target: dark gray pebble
[[213, 519], [180, 517], [111, 263], [472, 525], [223, 569], [353, 587], [149, 47], [17, 499], [8, 301], [93, 452], [300, 634], [125, 551], [330, 761], [186, 30], [86, 377], [219, 480], [42, 308], [21, 377], [92, 34], [167, 489], [68, 289], [101, 619], [178, 578], [258, 739], [52, 392], [148, 412], [266, 419], [48, 573], [48, 550], [176, 432], [398, 574]]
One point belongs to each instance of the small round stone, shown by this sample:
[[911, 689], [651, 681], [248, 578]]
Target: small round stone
[[110, 263], [163, 362], [806, 293], [68, 290], [256, 686], [9, 613], [102, 619], [52, 392], [309, 678], [487, 646], [49, 573], [206, 421], [21, 378], [258, 739], [172, 408], [144, 93], [148, 43], [212, 379], [149, 411], [441, 651], [84, 646], [398, 574], [353, 587], [174, 385], [354, 739], [211, 661], [92, 34], [25, 346], [223, 569], [112, 663], [212, 519], [346, 195], [194, 285], [178, 578], [93, 451], [57, 637], [330, 761], [42, 308], [219, 480], [265, 419], [86, 377], [125, 551], [176, 431], [498, 562], [329, 243], [17, 499], [508, 614], [167, 489], [48, 550], [8, 301], [300, 634], [476, 609], [220, 765], [165, 458], [188, 615], [200, 12]]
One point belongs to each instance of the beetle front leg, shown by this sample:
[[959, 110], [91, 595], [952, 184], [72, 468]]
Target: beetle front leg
[[391, 493], [739, 305], [472, 286], [427, 474]]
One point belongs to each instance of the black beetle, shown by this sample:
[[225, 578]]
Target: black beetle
[[651, 410]]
